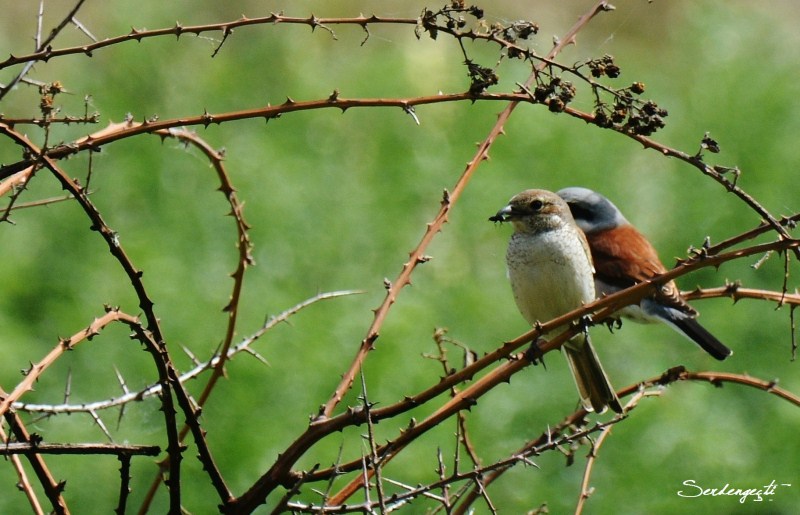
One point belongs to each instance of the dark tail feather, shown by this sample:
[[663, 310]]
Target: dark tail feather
[[593, 385], [698, 334]]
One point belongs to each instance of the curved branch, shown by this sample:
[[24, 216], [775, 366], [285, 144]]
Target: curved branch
[[152, 336], [245, 259]]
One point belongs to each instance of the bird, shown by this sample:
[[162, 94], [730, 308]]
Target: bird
[[623, 257], [551, 273]]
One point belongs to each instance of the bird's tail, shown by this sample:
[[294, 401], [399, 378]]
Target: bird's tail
[[594, 388], [697, 333]]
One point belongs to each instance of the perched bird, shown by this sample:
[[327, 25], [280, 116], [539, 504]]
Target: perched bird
[[623, 257], [550, 269]]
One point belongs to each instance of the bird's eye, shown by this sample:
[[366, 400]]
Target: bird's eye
[[536, 205]]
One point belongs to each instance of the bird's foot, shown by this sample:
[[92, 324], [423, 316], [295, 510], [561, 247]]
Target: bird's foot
[[534, 354], [613, 324]]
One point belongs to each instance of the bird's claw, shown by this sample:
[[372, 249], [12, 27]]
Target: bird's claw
[[535, 355]]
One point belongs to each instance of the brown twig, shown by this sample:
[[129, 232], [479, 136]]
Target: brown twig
[[41, 122], [736, 292], [596, 444], [46, 54], [718, 378], [16, 180], [26, 448], [40, 202], [708, 170], [763, 227], [462, 434], [119, 131], [124, 484]]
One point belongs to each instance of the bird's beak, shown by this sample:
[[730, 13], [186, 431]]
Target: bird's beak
[[504, 215]]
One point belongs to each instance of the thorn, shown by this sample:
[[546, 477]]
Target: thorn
[[207, 118], [445, 196], [410, 110], [772, 384], [256, 355], [68, 388], [191, 356], [121, 380], [99, 422]]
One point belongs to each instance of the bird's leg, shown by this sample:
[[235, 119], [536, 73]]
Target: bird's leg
[[584, 323]]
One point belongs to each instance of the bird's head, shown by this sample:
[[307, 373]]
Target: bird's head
[[534, 211]]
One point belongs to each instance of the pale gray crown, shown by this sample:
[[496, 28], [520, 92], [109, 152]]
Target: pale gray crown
[[592, 211]]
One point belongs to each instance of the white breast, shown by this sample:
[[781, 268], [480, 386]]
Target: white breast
[[550, 273]]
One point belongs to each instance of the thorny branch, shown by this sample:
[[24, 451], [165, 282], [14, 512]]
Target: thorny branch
[[647, 388], [574, 429], [116, 132], [155, 389], [257, 494], [417, 256], [244, 247], [32, 375], [83, 449], [151, 336], [46, 54], [602, 308], [546, 85]]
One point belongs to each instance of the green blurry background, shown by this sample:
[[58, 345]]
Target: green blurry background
[[337, 201]]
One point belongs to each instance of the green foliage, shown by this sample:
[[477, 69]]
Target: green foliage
[[336, 201]]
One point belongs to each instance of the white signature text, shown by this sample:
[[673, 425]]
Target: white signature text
[[755, 494]]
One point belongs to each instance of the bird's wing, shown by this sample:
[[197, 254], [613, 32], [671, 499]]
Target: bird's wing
[[623, 257]]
